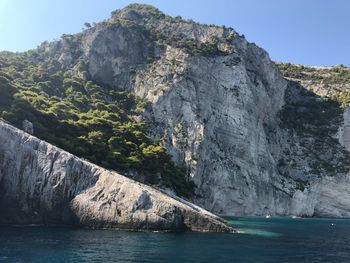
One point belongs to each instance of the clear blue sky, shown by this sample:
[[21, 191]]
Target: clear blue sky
[[311, 32]]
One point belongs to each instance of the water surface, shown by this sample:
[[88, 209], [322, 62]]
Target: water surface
[[265, 240]]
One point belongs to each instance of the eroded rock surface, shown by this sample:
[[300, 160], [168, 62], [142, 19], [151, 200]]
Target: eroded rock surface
[[41, 184]]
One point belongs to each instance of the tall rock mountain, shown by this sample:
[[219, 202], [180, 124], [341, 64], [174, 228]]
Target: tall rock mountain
[[253, 141]]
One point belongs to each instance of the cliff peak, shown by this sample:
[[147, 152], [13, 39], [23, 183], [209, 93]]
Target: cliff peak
[[132, 10]]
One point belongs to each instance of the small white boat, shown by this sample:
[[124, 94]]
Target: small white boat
[[267, 216]]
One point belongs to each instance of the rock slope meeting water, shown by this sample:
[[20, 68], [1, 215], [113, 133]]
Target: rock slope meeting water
[[253, 141], [41, 184]]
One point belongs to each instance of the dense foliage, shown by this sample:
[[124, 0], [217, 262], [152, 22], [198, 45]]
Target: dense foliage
[[334, 80], [89, 120], [328, 75]]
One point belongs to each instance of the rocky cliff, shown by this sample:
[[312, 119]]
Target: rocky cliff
[[42, 184], [253, 141], [211, 97]]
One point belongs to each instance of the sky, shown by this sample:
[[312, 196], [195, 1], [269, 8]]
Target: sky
[[310, 32]]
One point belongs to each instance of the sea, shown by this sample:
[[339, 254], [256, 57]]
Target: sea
[[261, 239]]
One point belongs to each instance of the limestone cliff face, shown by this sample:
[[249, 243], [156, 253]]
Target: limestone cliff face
[[41, 184], [254, 142], [212, 96], [213, 117]]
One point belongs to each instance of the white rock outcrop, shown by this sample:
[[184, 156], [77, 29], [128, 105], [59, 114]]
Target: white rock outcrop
[[41, 184]]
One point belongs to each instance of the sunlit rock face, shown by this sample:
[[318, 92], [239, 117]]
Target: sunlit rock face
[[254, 142], [210, 107], [41, 184]]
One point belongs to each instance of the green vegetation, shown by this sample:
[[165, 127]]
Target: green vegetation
[[143, 9], [89, 120], [292, 71], [334, 80], [343, 98], [331, 75]]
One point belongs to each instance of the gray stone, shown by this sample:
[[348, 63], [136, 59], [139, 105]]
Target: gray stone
[[42, 184], [28, 127]]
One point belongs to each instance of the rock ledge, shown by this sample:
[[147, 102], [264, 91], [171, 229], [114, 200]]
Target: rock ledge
[[42, 184]]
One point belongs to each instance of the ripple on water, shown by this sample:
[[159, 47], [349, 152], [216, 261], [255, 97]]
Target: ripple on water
[[258, 232], [262, 240], [252, 226]]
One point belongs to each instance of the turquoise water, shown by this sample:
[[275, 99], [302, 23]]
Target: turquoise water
[[264, 240]]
